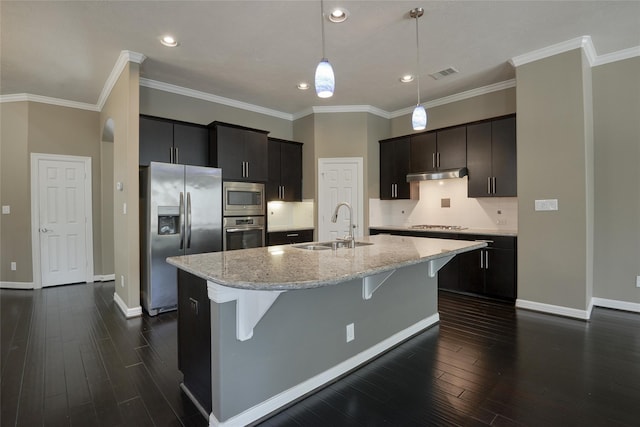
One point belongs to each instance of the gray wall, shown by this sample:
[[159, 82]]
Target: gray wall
[[178, 107], [32, 127], [616, 94], [554, 150], [293, 351]]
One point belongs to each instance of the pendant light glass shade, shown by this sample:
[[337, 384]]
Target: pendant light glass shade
[[419, 118], [325, 80]]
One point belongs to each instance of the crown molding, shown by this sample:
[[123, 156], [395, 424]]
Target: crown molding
[[179, 90], [459, 97], [620, 55], [27, 97], [536, 55], [124, 58]]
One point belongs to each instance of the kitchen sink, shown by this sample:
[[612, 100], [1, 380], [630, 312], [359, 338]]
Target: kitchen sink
[[312, 247], [329, 245]]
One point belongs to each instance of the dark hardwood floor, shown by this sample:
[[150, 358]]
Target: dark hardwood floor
[[69, 357]]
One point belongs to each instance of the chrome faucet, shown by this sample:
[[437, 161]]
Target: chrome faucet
[[349, 237]]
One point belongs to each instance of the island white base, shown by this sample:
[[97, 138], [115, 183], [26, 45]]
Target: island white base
[[278, 401]]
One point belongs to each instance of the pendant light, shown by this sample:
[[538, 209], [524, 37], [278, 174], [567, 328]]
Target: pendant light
[[419, 117], [325, 80]]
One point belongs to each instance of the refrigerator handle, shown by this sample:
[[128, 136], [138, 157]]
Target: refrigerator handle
[[188, 225], [181, 220]]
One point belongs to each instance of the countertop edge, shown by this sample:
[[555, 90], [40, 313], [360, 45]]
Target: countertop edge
[[484, 231], [310, 284]]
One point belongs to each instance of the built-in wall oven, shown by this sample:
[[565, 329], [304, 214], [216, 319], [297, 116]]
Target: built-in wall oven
[[244, 224], [243, 232]]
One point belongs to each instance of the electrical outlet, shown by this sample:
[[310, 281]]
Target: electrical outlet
[[351, 335], [122, 281], [14, 267], [124, 208], [6, 210], [501, 222], [637, 281]]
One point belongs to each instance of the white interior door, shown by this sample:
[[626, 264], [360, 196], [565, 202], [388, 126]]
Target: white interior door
[[62, 221], [339, 180]]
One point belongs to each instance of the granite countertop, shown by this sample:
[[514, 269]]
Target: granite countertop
[[286, 267], [487, 231]]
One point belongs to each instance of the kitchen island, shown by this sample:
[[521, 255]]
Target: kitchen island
[[260, 328]]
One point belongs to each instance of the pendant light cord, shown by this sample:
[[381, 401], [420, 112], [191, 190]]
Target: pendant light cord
[[322, 26], [417, 58]]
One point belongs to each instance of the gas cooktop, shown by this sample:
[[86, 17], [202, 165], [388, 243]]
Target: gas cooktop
[[437, 227]]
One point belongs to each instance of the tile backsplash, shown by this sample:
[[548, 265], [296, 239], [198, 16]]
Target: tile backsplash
[[290, 214], [499, 213]]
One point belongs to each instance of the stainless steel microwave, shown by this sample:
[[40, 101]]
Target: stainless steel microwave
[[243, 199]]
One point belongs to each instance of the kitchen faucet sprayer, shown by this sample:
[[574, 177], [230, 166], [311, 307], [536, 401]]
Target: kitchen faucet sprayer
[[334, 218]]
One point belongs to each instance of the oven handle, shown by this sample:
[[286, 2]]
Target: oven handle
[[236, 230]]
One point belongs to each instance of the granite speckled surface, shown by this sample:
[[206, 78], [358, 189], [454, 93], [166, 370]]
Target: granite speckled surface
[[286, 267]]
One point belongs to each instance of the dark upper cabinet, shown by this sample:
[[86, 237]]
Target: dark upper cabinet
[[240, 152], [170, 141], [423, 152], [439, 150], [285, 171], [394, 166], [191, 144], [491, 158]]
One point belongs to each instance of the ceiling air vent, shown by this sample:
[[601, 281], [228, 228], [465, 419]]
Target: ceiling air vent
[[444, 73]]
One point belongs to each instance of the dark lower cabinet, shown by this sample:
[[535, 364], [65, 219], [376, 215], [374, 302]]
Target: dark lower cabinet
[[289, 237], [490, 271], [194, 336]]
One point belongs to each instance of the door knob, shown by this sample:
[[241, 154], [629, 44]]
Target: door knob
[[45, 230]]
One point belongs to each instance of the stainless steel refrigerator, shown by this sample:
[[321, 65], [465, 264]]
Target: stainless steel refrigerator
[[180, 214]]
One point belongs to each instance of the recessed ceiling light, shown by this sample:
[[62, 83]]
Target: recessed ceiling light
[[406, 78], [169, 41], [303, 86], [338, 15]]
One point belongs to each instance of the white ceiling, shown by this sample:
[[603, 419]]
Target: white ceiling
[[257, 51]]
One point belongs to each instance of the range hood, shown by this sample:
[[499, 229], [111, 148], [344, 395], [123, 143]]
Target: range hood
[[441, 174]]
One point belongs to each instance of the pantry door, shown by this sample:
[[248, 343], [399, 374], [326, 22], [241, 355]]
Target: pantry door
[[63, 225], [339, 180]]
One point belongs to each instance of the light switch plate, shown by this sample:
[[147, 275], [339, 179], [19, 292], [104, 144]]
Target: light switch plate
[[6, 210], [546, 205]]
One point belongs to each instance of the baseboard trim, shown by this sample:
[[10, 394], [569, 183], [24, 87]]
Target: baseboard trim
[[616, 304], [104, 278], [278, 401], [16, 285], [555, 309], [128, 312]]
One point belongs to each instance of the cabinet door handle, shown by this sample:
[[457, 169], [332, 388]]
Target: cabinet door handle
[[486, 259], [176, 156], [433, 160], [170, 154], [488, 185], [481, 259], [493, 181], [282, 197], [194, 306], [293, 235], [438, 159], [247, 170]]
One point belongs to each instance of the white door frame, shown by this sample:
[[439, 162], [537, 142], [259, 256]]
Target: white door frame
[[35, 213], [322, 162]]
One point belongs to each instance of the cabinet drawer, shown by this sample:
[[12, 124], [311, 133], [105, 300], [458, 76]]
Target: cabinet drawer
[[289, 237], [498, 242]]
